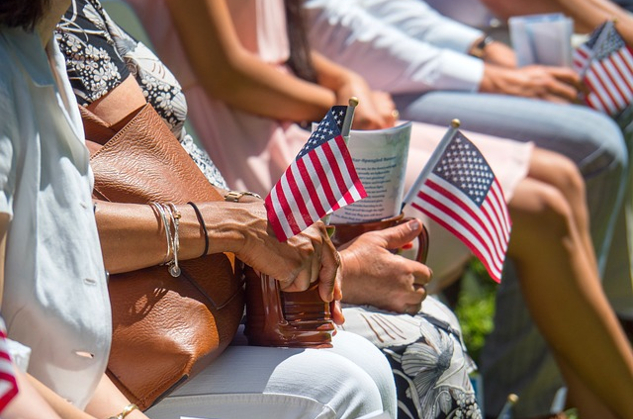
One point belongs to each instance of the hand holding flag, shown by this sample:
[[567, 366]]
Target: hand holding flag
[[459, 191], [319, 181], [605, 64]]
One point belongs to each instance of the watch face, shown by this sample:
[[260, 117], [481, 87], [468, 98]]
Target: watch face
[[479, 49]]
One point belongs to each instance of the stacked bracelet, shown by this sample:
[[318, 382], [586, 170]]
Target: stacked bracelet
[[170, 217], [202, 226], [161, 212], [126, 411]]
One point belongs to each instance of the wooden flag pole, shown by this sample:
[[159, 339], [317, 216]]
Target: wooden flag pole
[[437, 153]]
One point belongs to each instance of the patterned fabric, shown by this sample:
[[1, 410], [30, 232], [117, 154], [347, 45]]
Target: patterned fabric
[[100, 55], [428, 358]]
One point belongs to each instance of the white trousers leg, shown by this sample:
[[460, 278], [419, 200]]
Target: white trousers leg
[[351, 380]]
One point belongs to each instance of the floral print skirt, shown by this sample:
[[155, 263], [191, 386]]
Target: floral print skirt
[[428, 357]]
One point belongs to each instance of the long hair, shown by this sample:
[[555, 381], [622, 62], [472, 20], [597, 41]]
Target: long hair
[[299, 62], [22, 13]]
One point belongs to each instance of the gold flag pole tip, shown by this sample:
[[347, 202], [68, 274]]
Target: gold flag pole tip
[[353, 101], [455, 123], [513, 398]]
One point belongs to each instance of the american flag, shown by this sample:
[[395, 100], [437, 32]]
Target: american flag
[[319, 181], [462, 194], [605, 64], [8, 384]]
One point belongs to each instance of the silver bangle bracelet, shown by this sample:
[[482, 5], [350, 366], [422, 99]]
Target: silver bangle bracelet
[[161, 211]]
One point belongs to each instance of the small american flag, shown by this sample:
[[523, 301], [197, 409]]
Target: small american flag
[[319, 181], [8, 384], [462, 194], [605, 64]]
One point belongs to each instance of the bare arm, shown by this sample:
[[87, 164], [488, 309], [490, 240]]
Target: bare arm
[[587, 14], [230, 73], [505, 9], [375, 109], [29, 404], [133, 237], [106, 402]]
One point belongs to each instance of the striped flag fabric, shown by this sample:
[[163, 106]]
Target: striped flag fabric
[[460, 192], [319, 181], [605, 64], [8, 384]]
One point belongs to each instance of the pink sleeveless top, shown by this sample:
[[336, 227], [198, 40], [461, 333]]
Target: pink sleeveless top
[[252, 152]]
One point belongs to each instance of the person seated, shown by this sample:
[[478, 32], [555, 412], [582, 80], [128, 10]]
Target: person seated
[[55, 297], [438, 69], [587, 16], [242, 89], [86, 27]]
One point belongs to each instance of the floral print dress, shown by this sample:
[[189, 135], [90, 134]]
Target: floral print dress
[[100, 55], [427, 355]]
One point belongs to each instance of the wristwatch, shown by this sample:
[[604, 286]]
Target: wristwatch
[[478, 50]]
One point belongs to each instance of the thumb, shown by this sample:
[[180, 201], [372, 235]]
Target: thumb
[[398, 236]]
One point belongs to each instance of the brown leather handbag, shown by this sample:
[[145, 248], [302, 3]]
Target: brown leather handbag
[[165, 329]]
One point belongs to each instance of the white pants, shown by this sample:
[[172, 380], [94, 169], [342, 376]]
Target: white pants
[[351, 380]]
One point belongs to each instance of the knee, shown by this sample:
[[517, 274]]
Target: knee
[[602, 132], [568, 178], [335, 378], [548, 215]]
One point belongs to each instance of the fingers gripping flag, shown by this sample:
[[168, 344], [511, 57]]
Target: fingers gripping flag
[[605, 64], [8, 384], [462, 194], [319, 181]]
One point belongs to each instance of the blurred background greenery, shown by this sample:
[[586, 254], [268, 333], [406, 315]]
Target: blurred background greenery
[[473, 299]]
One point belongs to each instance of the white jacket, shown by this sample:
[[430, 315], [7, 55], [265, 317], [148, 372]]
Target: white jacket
[[400, 46]]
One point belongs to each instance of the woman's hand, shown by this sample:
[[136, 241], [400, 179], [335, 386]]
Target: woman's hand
[[374, 275], [555, 84], [300, 261], [375, 109]]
